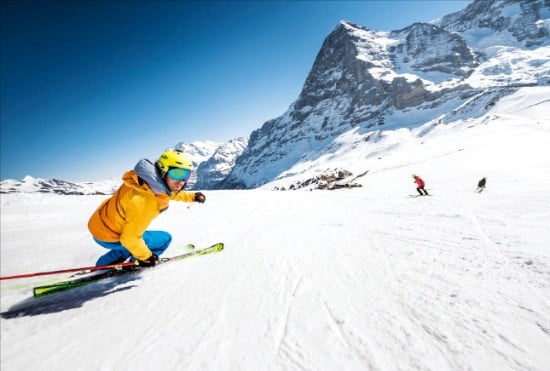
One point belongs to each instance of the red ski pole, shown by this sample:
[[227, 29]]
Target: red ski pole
[[94, 268]]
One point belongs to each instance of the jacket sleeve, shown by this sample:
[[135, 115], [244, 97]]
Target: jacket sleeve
[[184, 196], [139, 214]]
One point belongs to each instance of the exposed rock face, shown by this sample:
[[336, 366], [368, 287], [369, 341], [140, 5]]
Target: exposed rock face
[[428, 48], [331, 180], [337, 71], [524, 19]]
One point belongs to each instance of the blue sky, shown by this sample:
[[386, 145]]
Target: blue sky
[[89, 88]]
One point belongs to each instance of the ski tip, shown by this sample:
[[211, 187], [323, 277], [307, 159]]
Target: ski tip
[[219, 246]]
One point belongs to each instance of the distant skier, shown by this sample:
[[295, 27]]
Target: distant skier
[[418, 180], [120, 222], [481, 185]]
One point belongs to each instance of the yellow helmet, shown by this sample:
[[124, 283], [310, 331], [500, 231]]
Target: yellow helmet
[[174, 158]]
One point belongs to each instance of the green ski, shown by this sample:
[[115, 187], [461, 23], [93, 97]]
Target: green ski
[[49, 289]]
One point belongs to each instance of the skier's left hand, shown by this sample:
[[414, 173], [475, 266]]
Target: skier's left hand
[[199, 197]]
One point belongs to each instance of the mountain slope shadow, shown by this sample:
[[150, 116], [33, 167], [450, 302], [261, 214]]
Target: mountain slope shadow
[[71, 299]]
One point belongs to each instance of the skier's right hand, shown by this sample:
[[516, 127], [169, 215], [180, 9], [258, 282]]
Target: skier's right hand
[[151, 262], [199, 197]]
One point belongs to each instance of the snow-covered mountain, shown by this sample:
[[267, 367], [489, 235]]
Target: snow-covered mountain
[[32, 185], [370, 83], [199, 152], [220, 163], [485, 24], [212, 162]]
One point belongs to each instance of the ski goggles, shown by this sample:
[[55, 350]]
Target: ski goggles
[[177, 173]]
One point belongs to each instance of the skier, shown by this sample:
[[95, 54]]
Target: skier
[[120, 222], [420, 184], [481, 185]]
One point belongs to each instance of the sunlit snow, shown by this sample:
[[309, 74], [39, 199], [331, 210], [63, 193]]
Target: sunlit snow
[[366, 278]]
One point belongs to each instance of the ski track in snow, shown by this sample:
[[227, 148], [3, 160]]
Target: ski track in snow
[[361, 279]]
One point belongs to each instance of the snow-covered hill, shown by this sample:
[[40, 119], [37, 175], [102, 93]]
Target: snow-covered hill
[[355, 279]]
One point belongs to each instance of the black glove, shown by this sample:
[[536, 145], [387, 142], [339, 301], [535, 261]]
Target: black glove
[[149, 262], [199, 197]]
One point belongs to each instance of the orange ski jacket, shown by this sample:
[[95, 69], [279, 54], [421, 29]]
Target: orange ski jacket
[[127, 214]]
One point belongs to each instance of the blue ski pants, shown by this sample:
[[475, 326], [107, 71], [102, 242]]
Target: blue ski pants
[[156, 241]]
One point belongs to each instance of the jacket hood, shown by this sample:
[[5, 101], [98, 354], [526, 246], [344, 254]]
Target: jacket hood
[[147, 171]]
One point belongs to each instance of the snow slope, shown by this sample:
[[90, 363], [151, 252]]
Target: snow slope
[[367, 278], [359, 150]]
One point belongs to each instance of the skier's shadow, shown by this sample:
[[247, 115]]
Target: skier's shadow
[[71, 299]]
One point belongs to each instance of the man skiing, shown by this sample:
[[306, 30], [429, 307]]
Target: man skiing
[[418, 180], [120, 222], [481, 185]]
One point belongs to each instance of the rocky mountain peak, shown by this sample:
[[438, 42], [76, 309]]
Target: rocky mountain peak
[[425, 47], [525, 20]]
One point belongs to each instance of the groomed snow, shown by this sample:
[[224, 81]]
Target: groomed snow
[[366, 278]]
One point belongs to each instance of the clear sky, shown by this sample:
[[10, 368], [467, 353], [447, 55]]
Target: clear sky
[[89, 88]]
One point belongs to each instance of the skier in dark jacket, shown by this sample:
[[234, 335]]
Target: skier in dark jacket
[[418, 180], [481, 185]]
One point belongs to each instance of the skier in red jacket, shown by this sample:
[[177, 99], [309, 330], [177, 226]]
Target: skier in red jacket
[[418, 180]]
